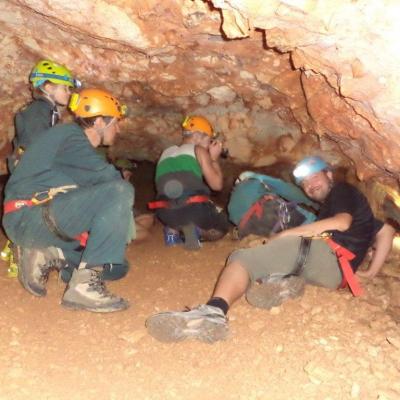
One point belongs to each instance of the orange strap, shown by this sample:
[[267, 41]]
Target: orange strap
[[255, 209], [344, 257], [166, 204]]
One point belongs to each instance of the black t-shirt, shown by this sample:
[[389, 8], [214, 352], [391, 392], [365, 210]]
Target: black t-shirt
[[345, 198]]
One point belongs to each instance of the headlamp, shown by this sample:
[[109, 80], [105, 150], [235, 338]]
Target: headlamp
[[301, 172], [77, 83]]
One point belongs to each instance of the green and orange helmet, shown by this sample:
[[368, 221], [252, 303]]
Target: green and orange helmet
[[96, 103], [47, 70]]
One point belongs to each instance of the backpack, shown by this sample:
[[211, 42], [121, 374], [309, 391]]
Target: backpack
[[257, 207]]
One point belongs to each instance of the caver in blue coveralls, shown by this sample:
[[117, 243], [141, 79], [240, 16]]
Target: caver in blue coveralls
[[101, 203]]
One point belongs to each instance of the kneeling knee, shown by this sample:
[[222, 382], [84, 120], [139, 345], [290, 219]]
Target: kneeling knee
[[123, 191]]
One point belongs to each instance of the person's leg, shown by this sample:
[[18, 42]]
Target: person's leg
[[208, 322], [105, 211], [321, 267], [212, 222], [232, 283], [37, 250]]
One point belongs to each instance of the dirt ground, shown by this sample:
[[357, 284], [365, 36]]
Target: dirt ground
[[324, 346], [327, 345]]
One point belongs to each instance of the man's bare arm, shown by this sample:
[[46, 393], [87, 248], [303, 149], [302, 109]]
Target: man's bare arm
[[210, 167], [340, 222]]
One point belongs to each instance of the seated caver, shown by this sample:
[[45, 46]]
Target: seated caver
[[271, 273], [61, 190], [184, 176], [263, 205]]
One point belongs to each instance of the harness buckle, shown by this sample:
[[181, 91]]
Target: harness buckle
[[41, 197]]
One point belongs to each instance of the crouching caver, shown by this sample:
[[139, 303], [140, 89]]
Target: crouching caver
[[61, 189], [184, 176]]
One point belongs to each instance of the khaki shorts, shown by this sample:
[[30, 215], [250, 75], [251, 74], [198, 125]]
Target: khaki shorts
[[278, 258]]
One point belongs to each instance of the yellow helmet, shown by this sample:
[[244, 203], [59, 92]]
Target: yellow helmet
[[197, 124], [46, 70], [96, 102]]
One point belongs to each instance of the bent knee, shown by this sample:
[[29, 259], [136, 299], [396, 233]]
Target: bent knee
[[121, 190]]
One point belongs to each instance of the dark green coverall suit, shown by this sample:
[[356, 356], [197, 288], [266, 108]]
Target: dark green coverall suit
[[101, 204], [30, 121]]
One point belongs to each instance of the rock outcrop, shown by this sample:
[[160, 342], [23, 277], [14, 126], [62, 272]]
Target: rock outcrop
[[278, 79]]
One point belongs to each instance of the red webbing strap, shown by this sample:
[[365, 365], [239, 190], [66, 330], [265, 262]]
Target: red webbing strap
[[344, 257], [255, 209], [82, 238], [197, 199], [15, 205], [152, 205]]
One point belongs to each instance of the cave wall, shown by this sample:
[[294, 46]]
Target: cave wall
[[278, 79]]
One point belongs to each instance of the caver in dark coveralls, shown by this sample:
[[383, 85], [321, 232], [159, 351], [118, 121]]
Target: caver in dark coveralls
[[101, 204], [32, 120]]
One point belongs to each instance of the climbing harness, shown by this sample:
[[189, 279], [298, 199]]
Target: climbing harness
[[344, 257], [43, 199], [153, 205], [37, 199]]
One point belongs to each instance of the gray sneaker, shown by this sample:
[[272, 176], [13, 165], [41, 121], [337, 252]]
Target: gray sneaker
[[34, 267], [272, 292], [86, 291], [206, 323]]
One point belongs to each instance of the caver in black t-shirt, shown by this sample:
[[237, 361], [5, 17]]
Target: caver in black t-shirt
[[345, 198]]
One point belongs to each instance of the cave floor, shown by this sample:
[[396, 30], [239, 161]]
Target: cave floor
[[326, 345]]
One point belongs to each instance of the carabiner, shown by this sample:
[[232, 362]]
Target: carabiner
[[36, 200]]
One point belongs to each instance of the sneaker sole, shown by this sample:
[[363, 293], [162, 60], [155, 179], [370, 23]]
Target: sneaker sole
[[272, 294], [191, 240], [169, 328], [76, 306]]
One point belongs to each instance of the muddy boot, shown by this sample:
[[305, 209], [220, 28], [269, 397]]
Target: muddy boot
[[191, 235], [205, 323], [86, 291], [270, 293], [34, 267]]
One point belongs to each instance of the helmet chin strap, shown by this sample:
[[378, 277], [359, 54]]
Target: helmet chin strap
[[101, 131], [48, 95]]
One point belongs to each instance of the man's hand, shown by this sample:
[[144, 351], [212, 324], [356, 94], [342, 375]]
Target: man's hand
[[215, 149], [253, 241], [126, 174]]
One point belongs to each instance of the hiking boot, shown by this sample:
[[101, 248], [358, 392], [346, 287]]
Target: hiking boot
[[34, 267], [86, 291], [271, 292], [205, 323], [192, 237]]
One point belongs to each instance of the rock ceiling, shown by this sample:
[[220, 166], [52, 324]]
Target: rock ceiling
[[278, 79]]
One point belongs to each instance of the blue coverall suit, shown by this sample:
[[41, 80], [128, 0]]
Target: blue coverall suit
[[101, 204]]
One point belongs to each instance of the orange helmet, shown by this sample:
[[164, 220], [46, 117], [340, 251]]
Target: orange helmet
[[197, 124], [94, 103]]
